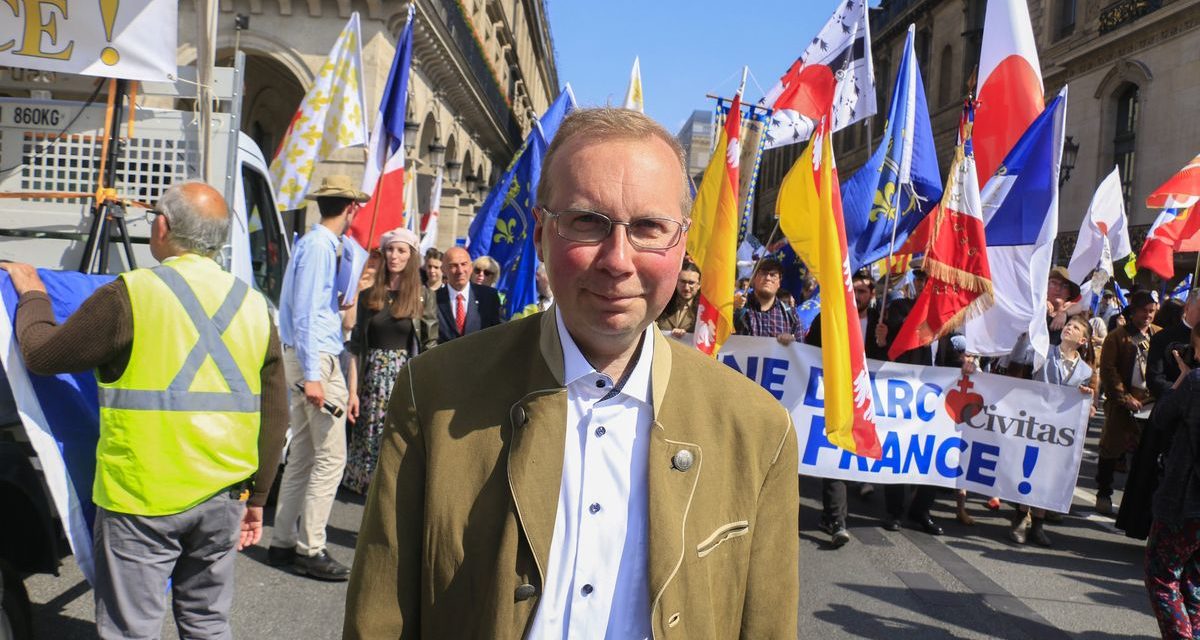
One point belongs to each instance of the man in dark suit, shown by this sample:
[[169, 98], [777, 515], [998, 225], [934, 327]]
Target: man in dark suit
[[463, 307]]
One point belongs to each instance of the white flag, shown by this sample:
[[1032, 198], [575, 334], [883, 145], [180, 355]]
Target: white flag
[[835, 69], [329, 118], [1103, 237], [633, 96], [429, 226]]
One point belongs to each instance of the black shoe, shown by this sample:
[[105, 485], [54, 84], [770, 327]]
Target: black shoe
[[827, 526], [839, 537], [891, 524], [280, 556], [927, 525], [321, 567]]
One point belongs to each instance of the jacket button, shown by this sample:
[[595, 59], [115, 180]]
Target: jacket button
[[519, 417], [525, 592], [683, 460]]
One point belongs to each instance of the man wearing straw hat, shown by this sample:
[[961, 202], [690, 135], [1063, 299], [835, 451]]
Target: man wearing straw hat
[[311, 331]]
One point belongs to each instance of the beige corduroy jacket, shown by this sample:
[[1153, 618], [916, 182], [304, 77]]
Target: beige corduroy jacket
[[456, 534]]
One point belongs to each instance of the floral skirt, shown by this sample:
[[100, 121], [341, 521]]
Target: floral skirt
[[375, 390]]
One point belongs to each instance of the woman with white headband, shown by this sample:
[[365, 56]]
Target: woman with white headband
[[396, 319]]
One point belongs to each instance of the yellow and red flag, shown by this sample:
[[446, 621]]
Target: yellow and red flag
[[712, 241], [810, 215]]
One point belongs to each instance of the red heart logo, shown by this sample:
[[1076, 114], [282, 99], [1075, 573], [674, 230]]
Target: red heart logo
[[962, 403]]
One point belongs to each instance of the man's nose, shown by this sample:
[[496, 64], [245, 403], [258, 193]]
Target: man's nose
[[615, 255]]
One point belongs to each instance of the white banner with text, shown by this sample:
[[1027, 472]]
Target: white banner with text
[[989, 434], [131, 39]]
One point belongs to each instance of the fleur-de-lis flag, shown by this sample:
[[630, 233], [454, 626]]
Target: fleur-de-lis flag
[[329, 118]]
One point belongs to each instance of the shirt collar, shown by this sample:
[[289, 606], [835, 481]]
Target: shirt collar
[[576, 367], [324, 232]]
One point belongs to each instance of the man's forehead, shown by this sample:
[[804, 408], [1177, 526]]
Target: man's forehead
[[636, 158]]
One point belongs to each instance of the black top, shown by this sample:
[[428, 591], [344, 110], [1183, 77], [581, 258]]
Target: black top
[[378, 329]]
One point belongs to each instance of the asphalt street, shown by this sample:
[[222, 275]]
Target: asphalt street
[[969, 583]]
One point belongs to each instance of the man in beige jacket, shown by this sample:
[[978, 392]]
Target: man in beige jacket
[[604, 481]]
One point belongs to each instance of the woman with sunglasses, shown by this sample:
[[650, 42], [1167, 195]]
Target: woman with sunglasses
[[485, 271], [396, 319]]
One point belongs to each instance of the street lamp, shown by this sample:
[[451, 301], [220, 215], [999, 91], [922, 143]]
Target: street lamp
[[471, 180], [437, 154], [411, 127], [454, 171], [1070, 154], [483, 189]]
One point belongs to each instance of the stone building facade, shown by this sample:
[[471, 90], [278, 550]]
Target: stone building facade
[[1132, 66], [481, 71]]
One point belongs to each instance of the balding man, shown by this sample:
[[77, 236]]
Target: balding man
[[606, 482], [463, 306], [192, 418]]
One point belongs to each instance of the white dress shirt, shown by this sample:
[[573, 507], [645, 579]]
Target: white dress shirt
[[596, 579], [454, 293]]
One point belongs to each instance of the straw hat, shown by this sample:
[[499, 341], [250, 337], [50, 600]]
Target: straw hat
[[337, 186]]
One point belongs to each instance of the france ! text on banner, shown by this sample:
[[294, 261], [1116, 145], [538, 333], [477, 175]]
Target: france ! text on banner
[[131, 39], [993, 435]]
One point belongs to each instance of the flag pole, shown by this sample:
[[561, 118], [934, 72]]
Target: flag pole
[[375, 198]]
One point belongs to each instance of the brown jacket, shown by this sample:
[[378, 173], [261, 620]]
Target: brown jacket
[[1118, 356], [457, 530]]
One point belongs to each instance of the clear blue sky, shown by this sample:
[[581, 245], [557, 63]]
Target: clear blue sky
[[687, 49]]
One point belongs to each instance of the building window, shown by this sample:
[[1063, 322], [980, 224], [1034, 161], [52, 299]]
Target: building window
[[882, 68], [1124, 152], [1064, 18], [945, 79], [923, 45], [972, 40]]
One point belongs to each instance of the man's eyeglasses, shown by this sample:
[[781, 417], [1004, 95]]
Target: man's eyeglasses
[[591, 227], [152, 214]]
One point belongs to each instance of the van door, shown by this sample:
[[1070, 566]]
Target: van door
[[268, 249]]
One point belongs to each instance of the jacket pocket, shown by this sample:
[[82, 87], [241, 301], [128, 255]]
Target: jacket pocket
[[723, 533]]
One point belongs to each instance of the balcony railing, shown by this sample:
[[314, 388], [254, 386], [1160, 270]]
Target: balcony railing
[[1119, 14], [464, 38]]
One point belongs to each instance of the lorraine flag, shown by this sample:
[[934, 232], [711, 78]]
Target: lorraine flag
[[834, 76], [956, 259], [809, 207], [1177, 228], [329, 118], [712, 241], [633, 96], [383, 176]]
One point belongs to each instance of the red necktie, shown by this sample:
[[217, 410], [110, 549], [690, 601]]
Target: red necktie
[[460, 315]]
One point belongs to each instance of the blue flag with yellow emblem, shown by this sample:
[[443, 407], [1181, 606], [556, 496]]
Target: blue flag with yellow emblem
[[901, 183], [503, 227]]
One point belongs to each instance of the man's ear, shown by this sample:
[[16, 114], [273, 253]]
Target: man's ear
[[538, 227]]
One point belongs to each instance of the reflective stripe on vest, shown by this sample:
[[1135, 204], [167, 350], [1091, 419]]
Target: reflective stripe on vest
[[177, 396]]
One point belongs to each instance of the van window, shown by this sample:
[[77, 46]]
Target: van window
[[267, 254]]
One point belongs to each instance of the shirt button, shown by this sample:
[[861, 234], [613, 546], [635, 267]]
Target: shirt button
[[586, 590], [600, 431], [595, 508], [600, 384]]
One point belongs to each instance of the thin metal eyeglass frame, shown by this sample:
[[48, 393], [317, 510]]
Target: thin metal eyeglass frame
[[683, 227]]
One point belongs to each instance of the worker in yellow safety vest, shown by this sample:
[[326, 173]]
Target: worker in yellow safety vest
[[193, 415]]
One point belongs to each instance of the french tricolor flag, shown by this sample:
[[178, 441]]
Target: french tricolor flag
[[384, 174]]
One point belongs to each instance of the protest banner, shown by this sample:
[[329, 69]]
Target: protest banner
[[990, 434], [108, 38]]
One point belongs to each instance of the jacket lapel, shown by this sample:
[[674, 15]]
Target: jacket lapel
[[535, 453], [674, 472]]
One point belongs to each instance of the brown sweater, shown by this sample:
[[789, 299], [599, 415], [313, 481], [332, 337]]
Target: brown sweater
[[99, 335]]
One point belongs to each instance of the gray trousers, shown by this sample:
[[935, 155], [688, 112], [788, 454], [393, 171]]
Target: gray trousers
[[136, 555]]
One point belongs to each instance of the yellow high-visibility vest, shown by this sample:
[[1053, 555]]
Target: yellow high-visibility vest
[[181, 423]]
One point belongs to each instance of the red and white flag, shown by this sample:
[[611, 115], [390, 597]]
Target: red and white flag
[[429, 221], [956, 259], [1010, 84], [1177, 228], [383, 176], [833, 76]]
